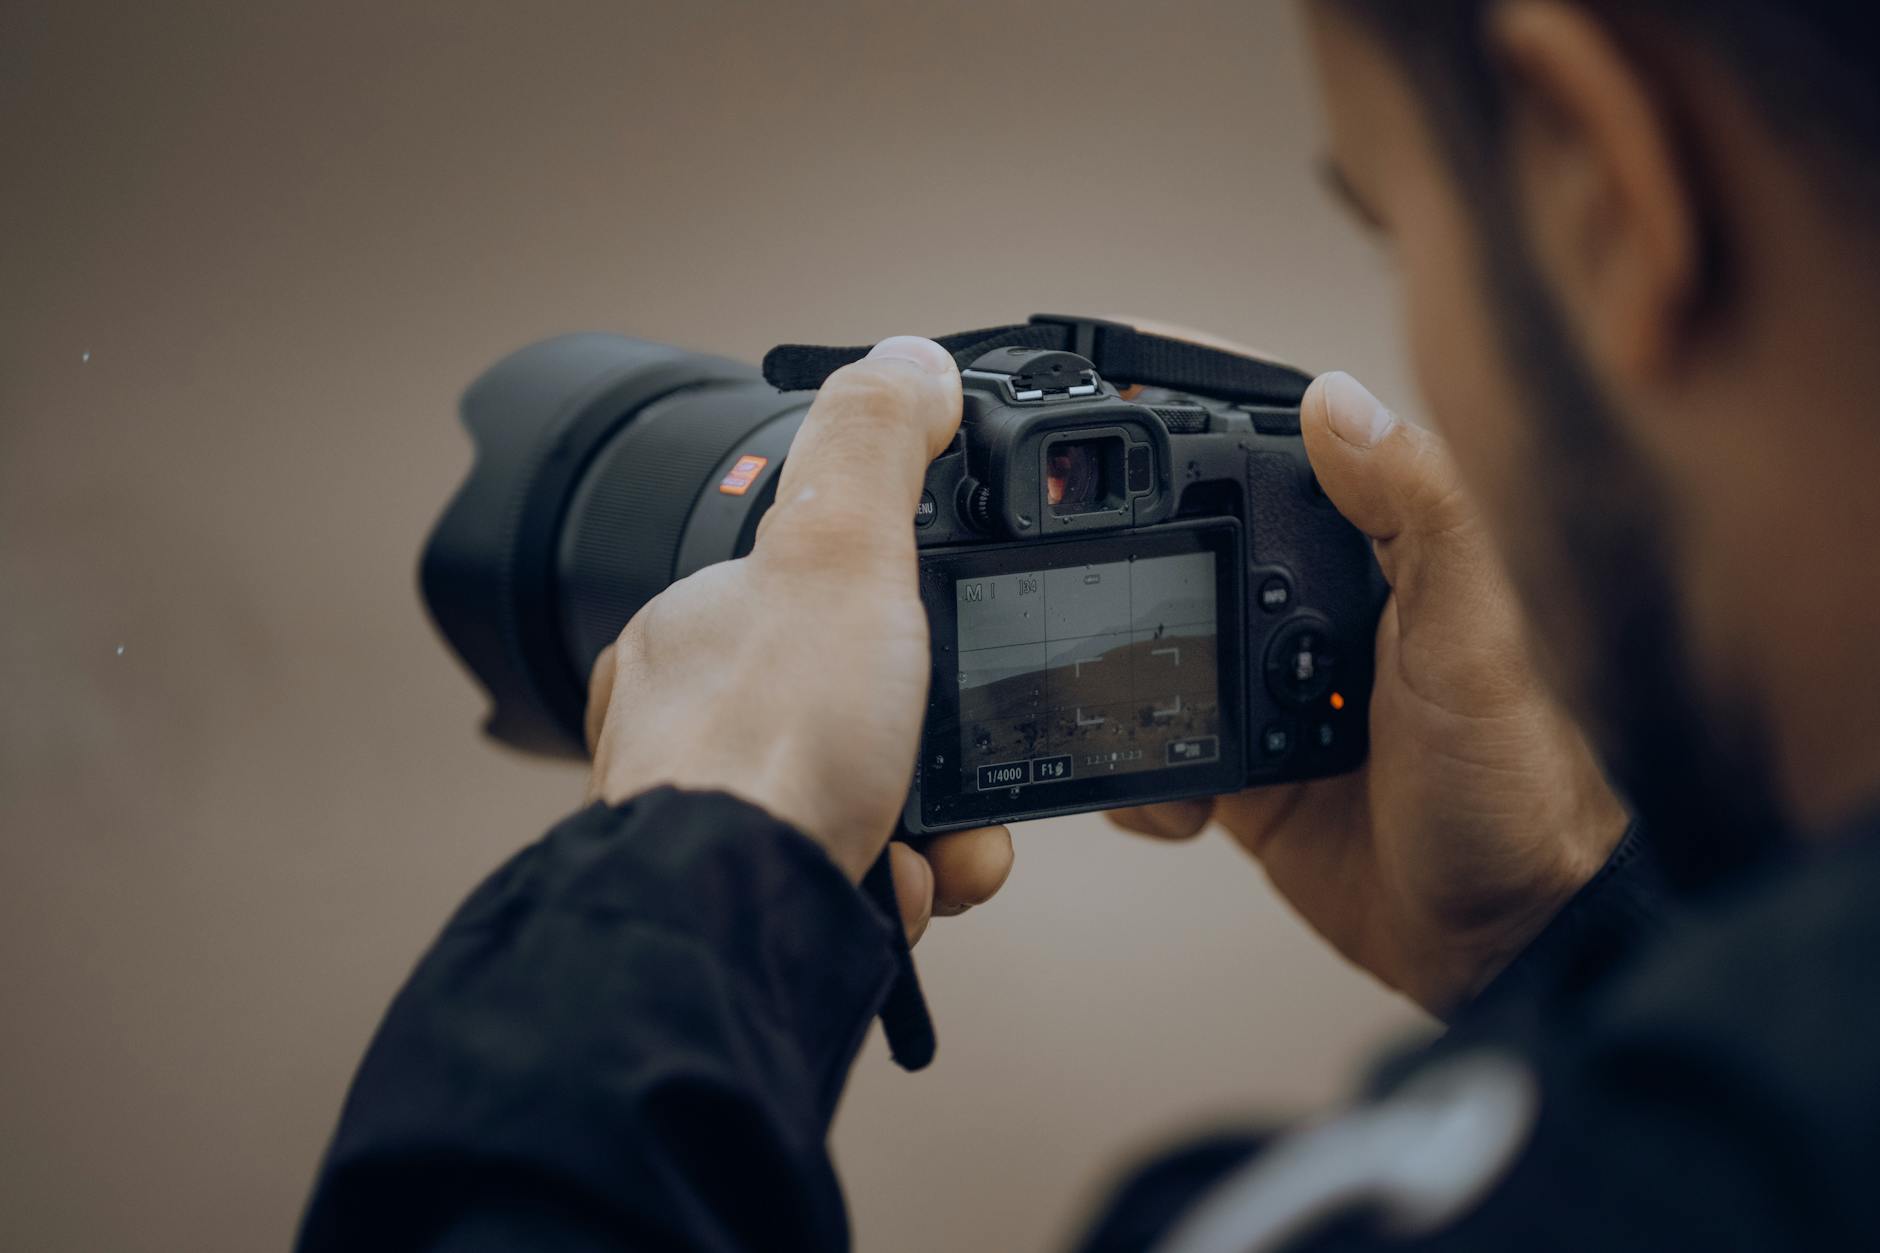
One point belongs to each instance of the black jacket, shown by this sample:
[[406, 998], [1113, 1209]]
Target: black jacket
[[633, 1036]]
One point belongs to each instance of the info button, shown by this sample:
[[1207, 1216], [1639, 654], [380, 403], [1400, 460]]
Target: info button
[[1275, 594]]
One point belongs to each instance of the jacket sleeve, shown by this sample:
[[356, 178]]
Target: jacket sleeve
[[633, 1035], [1618, 912]]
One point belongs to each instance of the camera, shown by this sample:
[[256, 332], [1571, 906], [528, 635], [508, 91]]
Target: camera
[[1135, 589]]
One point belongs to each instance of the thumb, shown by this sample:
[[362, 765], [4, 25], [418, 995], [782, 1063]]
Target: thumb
[[854, 471], [1391, 479], [1387, 476]]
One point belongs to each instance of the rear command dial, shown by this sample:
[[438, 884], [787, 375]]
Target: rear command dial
[[1302, 663]]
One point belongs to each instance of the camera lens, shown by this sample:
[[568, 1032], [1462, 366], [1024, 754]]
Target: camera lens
[[1074, 477], [603, 466]]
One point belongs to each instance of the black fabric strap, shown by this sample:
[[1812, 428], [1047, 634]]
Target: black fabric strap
[[904, 1017], [1121, 354]]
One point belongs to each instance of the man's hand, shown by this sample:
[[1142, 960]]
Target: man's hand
[[796, 678], [1481, 810]]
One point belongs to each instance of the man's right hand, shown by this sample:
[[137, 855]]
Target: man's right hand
[[1481, 810]]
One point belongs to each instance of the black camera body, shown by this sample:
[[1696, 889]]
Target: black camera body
[[1134, 596], [1132, 600]]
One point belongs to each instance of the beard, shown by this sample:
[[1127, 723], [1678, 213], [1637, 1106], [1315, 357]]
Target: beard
[[1592, 559]]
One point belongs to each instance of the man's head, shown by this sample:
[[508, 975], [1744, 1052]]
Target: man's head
[[1642, 277]]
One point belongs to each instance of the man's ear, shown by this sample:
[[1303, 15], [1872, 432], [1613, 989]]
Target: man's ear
[[1609, 209]]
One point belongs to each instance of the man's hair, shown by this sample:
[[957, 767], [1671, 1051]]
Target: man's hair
[[1812, 66]]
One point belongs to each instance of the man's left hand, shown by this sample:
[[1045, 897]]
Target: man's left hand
[[796, 678]]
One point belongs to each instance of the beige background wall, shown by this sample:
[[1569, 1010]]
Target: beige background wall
[[286, 235]]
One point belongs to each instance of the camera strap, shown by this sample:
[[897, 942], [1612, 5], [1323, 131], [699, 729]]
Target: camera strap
[[1120, 353], [904, 1017]]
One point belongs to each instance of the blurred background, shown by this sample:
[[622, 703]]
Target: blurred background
[[249, 255]]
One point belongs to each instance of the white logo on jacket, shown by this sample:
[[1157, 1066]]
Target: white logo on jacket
[[1420, 1159]]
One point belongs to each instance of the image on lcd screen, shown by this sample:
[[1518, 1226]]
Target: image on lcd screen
[[1087, 671]]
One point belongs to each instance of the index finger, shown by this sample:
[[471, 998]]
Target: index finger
[[855, 469]]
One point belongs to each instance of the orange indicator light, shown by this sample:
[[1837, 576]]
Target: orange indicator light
[[1338, 700]]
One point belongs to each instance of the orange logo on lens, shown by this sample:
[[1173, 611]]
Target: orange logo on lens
[[743, 475]]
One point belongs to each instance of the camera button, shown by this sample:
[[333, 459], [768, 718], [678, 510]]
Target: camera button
[[926, 510], [1276, 594], [1302, 663], [1277, 740], [1325, 736], [1272, 420]]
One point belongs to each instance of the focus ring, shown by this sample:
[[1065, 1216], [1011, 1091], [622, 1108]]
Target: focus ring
[[623, 525]]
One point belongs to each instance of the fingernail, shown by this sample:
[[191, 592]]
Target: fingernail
[[1355, 415], [924, 353]]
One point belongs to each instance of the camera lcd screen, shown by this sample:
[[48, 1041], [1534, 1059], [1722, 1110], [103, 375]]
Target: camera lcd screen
[[1083, 673]]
